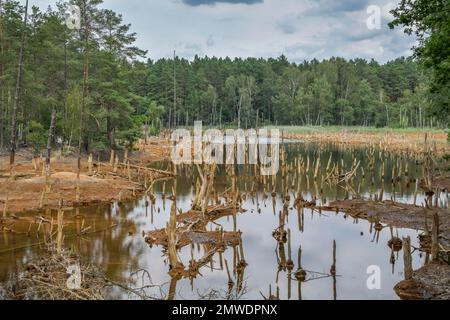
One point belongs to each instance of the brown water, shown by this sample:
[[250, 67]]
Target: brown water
[[121, 250]]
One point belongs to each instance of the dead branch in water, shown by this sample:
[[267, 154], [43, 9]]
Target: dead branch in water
[[189, 228]]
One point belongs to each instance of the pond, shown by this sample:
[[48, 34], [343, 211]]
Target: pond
[[115, 239]]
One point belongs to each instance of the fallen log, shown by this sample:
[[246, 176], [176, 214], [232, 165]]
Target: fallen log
[[212, 213], [160, 238]]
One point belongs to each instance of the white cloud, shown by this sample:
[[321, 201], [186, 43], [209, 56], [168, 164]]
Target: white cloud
[[210, 41], [299, 29]]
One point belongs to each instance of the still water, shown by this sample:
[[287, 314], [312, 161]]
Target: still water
[[116, 242]]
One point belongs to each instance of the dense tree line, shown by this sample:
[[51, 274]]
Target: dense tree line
[[250, 92], [91, 88]]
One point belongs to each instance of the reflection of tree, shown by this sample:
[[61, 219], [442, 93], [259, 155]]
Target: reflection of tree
[[115, 250], [99, 234], [286, 263], [118, 253], [189, 228]]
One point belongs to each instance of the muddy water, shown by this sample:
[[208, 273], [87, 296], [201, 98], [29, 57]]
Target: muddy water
[[116, 244]]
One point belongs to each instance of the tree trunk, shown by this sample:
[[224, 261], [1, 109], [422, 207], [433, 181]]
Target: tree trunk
[[110, 130], [64, 133], [83, 99], [2, 105], [174, 91], [51, 132], [239, 112], [49, 149], [17, 91], [145, 132]]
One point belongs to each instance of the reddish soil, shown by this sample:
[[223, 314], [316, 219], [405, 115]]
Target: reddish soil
[[25, 194], [26, 191], [156, 149]]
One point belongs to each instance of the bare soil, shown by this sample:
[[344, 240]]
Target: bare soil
[[432, 282], [27, 191], [26, 194], [156, 149], [441, 179], [442, 182]]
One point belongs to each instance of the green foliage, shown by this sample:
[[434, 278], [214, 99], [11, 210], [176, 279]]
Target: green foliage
[[54, 65], [37, 136], [331, 92], [430, 21], [152, 117], [123, 95]]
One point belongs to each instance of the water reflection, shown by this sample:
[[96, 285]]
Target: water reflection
[[324, 255]]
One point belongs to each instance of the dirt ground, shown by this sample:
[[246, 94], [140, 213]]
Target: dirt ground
[[156, 149], [431, 282], [28, 191], [441, 180]]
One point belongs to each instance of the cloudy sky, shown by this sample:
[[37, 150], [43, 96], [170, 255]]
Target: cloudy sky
[[299, 29]]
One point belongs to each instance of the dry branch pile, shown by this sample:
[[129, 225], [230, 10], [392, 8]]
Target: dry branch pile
[[46, 279]]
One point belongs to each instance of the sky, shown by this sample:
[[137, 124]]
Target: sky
[[299, 29]]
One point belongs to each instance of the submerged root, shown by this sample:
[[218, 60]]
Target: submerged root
[[395, 244]]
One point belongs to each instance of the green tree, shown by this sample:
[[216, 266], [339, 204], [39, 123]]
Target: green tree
[[430, 21]]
